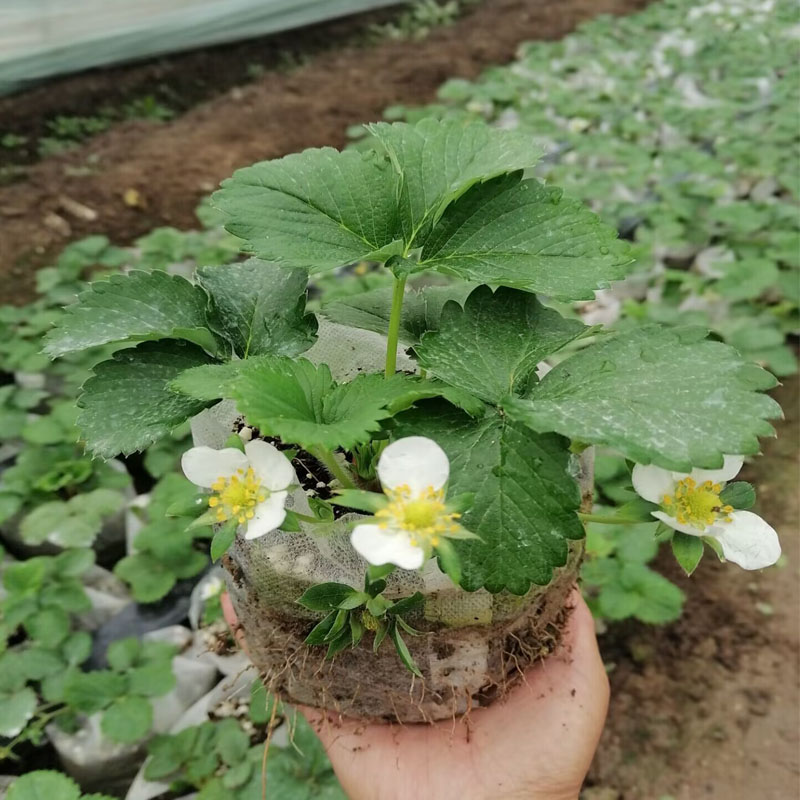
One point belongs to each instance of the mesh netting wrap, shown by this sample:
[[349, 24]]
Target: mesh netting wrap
[[473, 645]]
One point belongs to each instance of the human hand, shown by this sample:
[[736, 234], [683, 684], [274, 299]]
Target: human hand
[[537, 744]]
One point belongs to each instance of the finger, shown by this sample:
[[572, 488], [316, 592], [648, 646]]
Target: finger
[[575, 671], [229, 613]]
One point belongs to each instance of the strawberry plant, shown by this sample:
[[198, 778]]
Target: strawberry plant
[[417, 435]]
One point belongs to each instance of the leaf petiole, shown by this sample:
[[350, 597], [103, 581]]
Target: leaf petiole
[[334, 467], [398, 290]]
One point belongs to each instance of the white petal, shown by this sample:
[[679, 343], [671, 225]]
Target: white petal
[[674, 524], [652, 482], [729, 470], [204, 465], [415, 461], [270, 465], [747, 540], [380, 546], [269, 516]]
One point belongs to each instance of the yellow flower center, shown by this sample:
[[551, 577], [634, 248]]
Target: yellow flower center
[[697, 505], [424, 516], [237, 496]]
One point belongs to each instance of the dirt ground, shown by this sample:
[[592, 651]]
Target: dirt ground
[[707, 707], [173, 165]]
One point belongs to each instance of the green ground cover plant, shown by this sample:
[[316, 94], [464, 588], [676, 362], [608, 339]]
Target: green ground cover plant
[[674, 125]]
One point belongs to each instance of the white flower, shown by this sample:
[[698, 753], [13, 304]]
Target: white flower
[[413, 472], [250, 487], [691, 503]]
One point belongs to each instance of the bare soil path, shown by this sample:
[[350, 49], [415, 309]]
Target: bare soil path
[[173, 165]]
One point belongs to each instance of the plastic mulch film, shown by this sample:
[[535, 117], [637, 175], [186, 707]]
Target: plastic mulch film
[[43, 38]]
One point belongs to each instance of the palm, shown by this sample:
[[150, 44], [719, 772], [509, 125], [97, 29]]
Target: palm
[[538, 743]]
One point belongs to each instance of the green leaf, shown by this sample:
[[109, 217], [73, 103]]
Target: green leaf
[[44, 785], [153, 679], [127, 720], [223, 539], [739, 494], [74, 562], [93, 691], [49, 626], [39, 662], [238, 775], [688, 550], [326, 596], [524, 500], [421, 309], [321, 630], [299, 772], [492, 345], [525, 235], [214, 381], [148, 577], [261, 703], [232, 742], [10, 504], [314, 210], [25, 577], [437, 161], [128, 404], [15, 711], [300, 403], [139, 305], [407, 604], [403, 651], [77, 648], [656, 395], [123, 653], [359, 499], [260, 307]]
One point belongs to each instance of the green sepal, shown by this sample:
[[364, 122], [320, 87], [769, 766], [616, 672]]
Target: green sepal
[[223, 539], [715, 546], [460, 503], [321, 509], [449, 561], [739, 494], [291, 523], [235, 441], [688, 550], [204, 520], [188, 508], [359, 499], [637, 510], [376, 573]]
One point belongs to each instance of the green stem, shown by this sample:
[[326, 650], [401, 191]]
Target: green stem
[[334, 467], [609, 519], [394, 326], [306, 518]]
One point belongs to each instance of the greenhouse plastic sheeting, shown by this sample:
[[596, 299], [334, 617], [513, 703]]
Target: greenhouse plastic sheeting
[[41, 38]]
